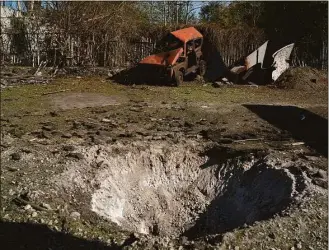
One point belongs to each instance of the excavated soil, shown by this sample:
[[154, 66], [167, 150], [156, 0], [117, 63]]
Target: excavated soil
[[303, 78], [178, 189]]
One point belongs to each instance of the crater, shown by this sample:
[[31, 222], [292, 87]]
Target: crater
[[174, 190]]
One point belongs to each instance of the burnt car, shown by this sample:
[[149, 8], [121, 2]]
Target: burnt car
[[180, 55]]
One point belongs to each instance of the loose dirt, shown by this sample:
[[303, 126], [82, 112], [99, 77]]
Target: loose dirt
[[171, 189], [192, 167], [82, 100], [303, 79]]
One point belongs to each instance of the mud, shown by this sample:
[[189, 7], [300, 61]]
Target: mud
[[176, 189]]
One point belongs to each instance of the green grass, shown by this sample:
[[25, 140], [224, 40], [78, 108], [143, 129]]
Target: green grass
[[30, 105]]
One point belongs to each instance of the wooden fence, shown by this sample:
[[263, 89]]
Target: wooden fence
[[73, 50]]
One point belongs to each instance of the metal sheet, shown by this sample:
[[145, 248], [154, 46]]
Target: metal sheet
[[187, 34], [257, 56], [281, 58], [164, 58]]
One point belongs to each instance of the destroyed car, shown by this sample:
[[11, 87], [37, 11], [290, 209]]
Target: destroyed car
[[181, 55]]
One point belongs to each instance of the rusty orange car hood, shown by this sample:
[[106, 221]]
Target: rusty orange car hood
[[187, 34], [164, 58]]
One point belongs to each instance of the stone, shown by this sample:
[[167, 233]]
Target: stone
[[27, 207], [68, 148], [45, 134], [299, 245], [47, 206], [75, 215], [78, 156], [53, 113], [48, 128], [271, 235], [66, 135], [321, 174], [106, 120], [16, 156], [217, 84], [34, 214]]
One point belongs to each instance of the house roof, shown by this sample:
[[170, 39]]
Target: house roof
[[187, 34]]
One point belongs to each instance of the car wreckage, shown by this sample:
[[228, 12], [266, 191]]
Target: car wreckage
[[181, 55]]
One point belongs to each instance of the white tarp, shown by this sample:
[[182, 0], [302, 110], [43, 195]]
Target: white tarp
[[281, 62]]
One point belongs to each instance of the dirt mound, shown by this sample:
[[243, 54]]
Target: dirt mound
[[303, 78]]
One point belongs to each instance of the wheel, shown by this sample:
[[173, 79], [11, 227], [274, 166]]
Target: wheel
[[178, 78], [202, 68]]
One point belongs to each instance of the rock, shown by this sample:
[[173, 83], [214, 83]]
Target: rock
[[47, 206], [27, 207], [53, 113], [106, 120], [236, 248], [75, 215], [320, 182], [16, 156], [48, 128], [66, 135], [217, 84], [183, 240], [34, 214], [46, 134], [78, 156], [299, 245], [68, 148], [12, 169], [26, 150], [321, 174], [78, 134], [188, 124], [271, 235], [135, 109]]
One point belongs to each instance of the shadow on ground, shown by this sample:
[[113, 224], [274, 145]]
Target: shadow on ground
[[145, 75], [33, 236], [249, 196], [302, 124]]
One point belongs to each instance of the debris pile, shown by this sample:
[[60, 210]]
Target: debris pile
[[303, 78]]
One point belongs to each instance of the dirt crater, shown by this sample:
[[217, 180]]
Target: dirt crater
[[171, 190]]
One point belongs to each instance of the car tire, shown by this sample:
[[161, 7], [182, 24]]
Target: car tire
[[178, 78]]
